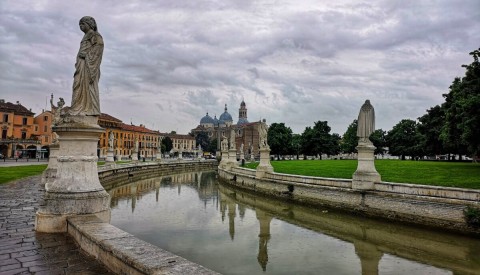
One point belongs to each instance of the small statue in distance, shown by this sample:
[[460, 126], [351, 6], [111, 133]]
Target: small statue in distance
[[366, 123]]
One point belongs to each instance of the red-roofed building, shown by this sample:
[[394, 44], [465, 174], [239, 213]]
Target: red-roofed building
[[124, 141], [18, 138]]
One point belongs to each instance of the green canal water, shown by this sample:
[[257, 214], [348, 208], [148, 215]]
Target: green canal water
[[234, 232]]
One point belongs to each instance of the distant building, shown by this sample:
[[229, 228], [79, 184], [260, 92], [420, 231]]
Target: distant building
[[18, 137], [246, 132], [43, 131], [182, 143]]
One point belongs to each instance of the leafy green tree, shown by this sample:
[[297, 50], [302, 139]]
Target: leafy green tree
[[296, 144], [333, 146], [461, 130], [430, 127], [350, 140], [404, 139], [279, 138], [203, 140], [378, 138], [212, 148], [318, 140], [168, 143]]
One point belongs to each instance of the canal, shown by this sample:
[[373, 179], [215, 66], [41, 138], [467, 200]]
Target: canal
[[233, 232]]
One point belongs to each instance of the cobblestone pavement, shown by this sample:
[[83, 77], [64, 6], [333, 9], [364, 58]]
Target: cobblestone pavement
[[24, 251]]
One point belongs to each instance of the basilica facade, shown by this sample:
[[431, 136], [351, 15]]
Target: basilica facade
[[246, 133]]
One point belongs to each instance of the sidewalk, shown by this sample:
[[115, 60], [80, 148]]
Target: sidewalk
[[21, 162], [24, 251]]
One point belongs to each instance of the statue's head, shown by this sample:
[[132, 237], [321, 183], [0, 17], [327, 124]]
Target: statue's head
[[90, 22]]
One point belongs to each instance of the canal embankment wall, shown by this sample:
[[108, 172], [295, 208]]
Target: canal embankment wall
[[420, 204], [120, 251]]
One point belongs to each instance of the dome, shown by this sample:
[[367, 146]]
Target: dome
[[226, 117], [206, 120], [216, 121], [242, 121], [243, 104]]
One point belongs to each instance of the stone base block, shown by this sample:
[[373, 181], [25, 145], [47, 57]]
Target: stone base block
[[57, 223], [48, 176], [52, 217]]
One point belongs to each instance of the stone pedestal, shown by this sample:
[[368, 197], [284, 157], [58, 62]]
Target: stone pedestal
[[109, 159], [242, 156], [225, 159], [180, 155], [159, 157], [76, 189], [264, 165], [366, 175], [51, 171], [135, 155]]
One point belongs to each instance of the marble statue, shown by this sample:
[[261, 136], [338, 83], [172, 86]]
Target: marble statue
[[366, 122], [56, 110], [241, 148], [110, 140], [85, 97], [263, 132], [224, 143]]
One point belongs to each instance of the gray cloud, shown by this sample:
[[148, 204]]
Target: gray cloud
[[167, 63]]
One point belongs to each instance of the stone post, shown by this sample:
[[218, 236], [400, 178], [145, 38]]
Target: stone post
[[76, 189], [109, 160], [51, 171], [264, 165], [366, 175]]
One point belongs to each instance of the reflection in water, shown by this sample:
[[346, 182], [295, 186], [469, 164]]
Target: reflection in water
[[193, 216]]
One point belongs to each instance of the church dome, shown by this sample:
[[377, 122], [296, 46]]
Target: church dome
[[216, 122], [226, 117], [242, 121], [206, 120]]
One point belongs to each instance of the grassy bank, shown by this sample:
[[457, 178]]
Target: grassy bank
[[17, 172], [452, 174]]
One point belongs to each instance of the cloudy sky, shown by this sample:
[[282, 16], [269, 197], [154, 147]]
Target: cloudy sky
[[167, 63]]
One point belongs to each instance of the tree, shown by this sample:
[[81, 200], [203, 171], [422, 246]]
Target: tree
[[318, 140], [203, 140], [296, 144], [212, 148], [461, 130], [279, 138], [404, 139], [430, 127], [378, 138], [168, 143], [350, 140]]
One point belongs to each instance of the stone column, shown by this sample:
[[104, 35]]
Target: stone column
[[76, 189], [264, 165], [51, 171], [225, 159], [159, 156], [135, 155], [366, 175]]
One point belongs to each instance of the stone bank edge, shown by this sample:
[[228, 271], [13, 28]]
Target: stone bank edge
[[420, 204], [120, 251]]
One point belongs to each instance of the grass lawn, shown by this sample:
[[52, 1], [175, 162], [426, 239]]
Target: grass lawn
[[17, 172], [452, 174]]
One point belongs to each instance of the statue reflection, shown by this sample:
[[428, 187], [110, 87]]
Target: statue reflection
[[264, 219]]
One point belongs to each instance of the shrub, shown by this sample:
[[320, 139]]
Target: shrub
[[472, 216]]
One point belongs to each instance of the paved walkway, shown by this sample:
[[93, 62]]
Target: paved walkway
[[24, 251]]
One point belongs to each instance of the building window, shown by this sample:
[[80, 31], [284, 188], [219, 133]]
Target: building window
[[46, 139], [45, 118], [24, 121], [45, 128], [4, 133], [36, 128], [24, 135], [5, 117]]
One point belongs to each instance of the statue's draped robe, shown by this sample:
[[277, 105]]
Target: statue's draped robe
[[366, 122], [85, 97]]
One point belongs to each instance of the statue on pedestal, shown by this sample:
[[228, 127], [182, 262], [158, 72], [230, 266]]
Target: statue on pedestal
[[263, 133], [232, 140], [366, 123], [85, 97], [224, 143], [110, 140]]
